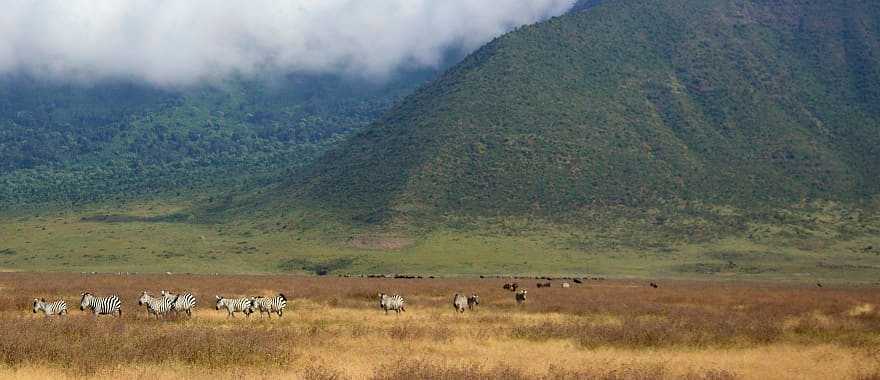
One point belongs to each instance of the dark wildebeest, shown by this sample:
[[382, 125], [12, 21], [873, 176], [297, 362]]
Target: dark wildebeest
[[473, 301], [521, 297], [544, 285], [512, 286]]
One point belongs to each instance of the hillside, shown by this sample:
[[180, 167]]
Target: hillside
[[630, 103], [81, 143]]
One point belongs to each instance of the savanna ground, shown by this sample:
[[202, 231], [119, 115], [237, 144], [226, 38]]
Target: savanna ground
[[604, 329]]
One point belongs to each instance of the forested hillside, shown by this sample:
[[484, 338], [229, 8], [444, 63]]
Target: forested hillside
[[74, 142], [630, 102]]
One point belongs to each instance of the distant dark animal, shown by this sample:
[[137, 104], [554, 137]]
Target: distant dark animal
[[50, 308], [544, 285], [577, 281], [473, 301], [395, 302], [655, 286], [459, 302], [100, 305], [819, 284], [521, 297], [512, 286]]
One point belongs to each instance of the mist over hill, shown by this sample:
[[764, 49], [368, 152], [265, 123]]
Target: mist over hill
[[137, 99]]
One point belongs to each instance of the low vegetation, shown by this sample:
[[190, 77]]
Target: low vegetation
[[597, 330]]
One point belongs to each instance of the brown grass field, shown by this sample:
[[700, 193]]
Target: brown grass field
[[333, 329]]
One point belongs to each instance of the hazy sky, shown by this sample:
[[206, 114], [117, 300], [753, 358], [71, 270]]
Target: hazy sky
[[178, 42]]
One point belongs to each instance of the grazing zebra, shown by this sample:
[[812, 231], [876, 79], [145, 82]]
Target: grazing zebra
[[459, 302], [473, 301], [156, 305], [521, 297], [54, 308], [184, 302], [100, 305], [270, 305], [233, 305], [566, 285], [395, 302]]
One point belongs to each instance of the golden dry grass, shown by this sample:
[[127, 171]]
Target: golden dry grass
[[333, 329]]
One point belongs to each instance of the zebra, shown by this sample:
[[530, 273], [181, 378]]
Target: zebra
[[185, 302], [459, 302], [233, 305], [395, 302], [566, 285], [473, 301], [512, 286], [269, 305], [521, 297], [50, 308], [100, 305], [156, 306]]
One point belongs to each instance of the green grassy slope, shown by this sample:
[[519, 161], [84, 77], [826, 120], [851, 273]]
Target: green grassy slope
[[821, 241], [746, 103]]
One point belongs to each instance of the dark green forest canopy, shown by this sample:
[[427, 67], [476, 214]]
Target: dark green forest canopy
[[631, 102], [74, 142]]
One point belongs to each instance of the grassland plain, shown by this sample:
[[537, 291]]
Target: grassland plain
[[333, 329], [825, 241]]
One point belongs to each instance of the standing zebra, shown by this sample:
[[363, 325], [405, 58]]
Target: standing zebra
[[521, 296], [473, 301], [156, 305], [395, 302], [54, 308], [233, 305], [100, 305], [459, 302], [184, 302], [270, 305]]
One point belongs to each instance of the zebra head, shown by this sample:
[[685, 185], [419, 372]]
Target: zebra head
[[382, 299], [220, 302], [37, 305], [85, 300], [145, 298]]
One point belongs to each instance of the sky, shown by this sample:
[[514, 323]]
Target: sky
[[181, 42]]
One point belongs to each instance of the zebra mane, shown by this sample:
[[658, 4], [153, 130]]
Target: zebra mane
[[282, 296]]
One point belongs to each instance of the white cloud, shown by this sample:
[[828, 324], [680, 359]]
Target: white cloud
[[178, 42]]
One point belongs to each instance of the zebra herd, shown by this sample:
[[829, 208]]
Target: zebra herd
[[164, 305], [171, 304]]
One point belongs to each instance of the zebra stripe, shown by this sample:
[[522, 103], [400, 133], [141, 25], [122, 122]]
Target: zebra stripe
[[459, 302], [395, 302], [270, 305], [156, 305], [233, 305], [100, 305], [50, 308], [184, 302]]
